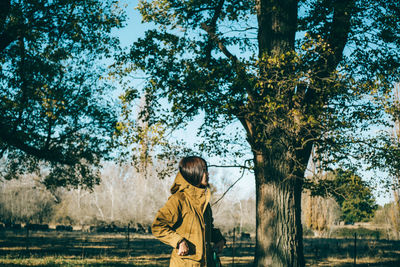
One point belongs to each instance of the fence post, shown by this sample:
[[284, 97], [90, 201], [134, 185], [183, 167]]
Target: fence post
[[355, 248], [233, 248], [83, 242], [127, 237], [27, 237]]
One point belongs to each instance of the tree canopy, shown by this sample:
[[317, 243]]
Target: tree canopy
[[334, 83], [54, 111]]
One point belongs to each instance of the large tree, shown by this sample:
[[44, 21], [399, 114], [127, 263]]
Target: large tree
[[295, 74], [54, 116]]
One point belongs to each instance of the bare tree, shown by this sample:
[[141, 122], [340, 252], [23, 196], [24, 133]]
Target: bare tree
[[25, 200]]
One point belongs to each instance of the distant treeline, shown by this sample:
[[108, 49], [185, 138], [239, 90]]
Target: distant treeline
[[124, 197]]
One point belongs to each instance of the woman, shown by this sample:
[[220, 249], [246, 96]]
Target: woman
[[185, 222]]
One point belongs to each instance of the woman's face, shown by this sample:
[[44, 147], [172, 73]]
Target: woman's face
[[204, 181]]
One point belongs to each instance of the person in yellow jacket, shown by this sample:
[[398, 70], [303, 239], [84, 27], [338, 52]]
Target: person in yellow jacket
[[185, 222]]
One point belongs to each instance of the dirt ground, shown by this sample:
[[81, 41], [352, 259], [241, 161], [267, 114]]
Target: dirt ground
[[52, 248]]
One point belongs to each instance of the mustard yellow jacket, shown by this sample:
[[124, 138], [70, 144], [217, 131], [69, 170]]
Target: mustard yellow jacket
[[187, 215]]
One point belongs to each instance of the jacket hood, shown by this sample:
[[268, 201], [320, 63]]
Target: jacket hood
[[199, 196], [180, 184]]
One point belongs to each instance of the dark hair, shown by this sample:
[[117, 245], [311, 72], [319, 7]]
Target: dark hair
[[192, 169]]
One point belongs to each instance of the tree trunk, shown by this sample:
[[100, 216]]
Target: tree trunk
[[279, 240], [277, 25]]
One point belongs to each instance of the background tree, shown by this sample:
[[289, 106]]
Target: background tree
[[388, 216], [320, 210], [234, 212], [124, 196], [320, 214], [53, 109], [294, 74], [354, 197], [25, 200], [352, 194]]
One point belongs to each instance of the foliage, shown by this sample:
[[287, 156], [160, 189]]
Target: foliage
[[53, 110], [354, 197]]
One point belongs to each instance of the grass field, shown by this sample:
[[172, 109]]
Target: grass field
[[52, 248]]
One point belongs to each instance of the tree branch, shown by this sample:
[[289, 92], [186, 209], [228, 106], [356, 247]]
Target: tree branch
[[235, 61], [231, 166], [211, 32], [337, 39], [212, 27], [213, 38], [7, 35], [50, 155], [340, 28]]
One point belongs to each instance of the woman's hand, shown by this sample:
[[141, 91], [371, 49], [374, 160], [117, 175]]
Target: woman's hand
[[183, 249], [219, 246]]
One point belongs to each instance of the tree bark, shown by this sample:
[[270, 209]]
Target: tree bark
[[279, 237]]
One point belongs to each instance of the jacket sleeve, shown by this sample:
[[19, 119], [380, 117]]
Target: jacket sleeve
[[166, 218]]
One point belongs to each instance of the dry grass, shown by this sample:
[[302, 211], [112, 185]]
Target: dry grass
[[89, 249], [366, 261], [102, 261], [340, 252]]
